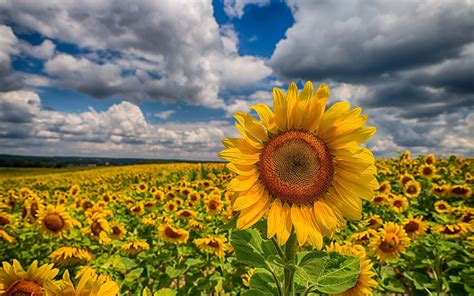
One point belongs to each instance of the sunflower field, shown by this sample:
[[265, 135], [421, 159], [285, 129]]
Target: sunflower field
[[165, 230]]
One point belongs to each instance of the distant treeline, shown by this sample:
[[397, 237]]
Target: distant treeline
[[63, 162]]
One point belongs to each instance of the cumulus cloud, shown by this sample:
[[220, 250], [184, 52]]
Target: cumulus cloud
[[9, 80], [165, 114], [168, 51], [120, 131]]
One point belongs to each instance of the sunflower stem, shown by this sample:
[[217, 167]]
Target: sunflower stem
[[277, 246], [290, 248]]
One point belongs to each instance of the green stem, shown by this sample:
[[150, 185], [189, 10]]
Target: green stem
[[290, 257], [277, 282], [277, 246]]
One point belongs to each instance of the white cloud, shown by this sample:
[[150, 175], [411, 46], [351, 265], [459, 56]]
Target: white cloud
[[120, 131], [165, 114], [167, 51]]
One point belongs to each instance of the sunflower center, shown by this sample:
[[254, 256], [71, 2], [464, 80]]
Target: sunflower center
[[25, 288], [53, 222], [296, 166], [171, 233], [96, 228], [411, 226], [398, 203], [411, 189], [426, 171], [213, 244], [390, 243]]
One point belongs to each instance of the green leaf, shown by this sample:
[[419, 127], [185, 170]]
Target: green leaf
[[165, 292], [191, 262], [329, 274], [232, 224], [248, 247], [134, 274], [255, 292], [263, 280], [173, 272]]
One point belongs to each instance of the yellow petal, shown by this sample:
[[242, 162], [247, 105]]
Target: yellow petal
[[283, 229], [324, 218], [266, 116], [280, 107], [252, 127], [239, 169], [273, 218], [252, 215], [292, 106], [242, 183], [236, 156], [248, 198], [300, 224]]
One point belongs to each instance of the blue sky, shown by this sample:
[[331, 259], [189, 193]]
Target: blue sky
[[161, 80]]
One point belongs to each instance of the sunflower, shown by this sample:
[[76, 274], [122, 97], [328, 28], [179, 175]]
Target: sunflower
[[196, 225], [214, 204], [186, 214], [4, 219], [452, 230], [308, 172], [135, 247], [30, 209], [428, 171], [117, 230], [441, 206], [74, 190], [70, 255], [159, 195], [374, 221], [406, 155], [380, 199], [365, 282], [14, 280], [463, 191], [385, 187], [440, 190], [246, 277], [137, 210], [405, 178], [170, 206], [412, 189], [141, 187], [363, 237], [173, 235], [414, 226], [90, 284], [54, 220], [399, 204], [193, 198], [99, 228], [6, 237], [430, 159], [212, 244], [390, 241]]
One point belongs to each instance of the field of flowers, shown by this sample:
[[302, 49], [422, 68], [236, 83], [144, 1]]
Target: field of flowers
[[166, 230]]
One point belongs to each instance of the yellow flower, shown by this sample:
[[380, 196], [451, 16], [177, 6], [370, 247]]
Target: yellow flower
[[90, 284], [186, 214], [135, 247], [118, 231], [412, 189], [75, 189], [246, 277], [170, 234], [380, 199], [453, 230], [170, 206], [390, 242], [385, 187], [463, 191], [54, 220], [365, 282], [399, 204], [196, 225], [137, 210], [141, 187], [441, 206], [430, 159], [374, 221], [212, 244], [14, 280], [4, 219], [308, 172], [99, 228], [414, 226], [428, 171], [70, 255], [405, 178], [363, 237], [214, 204], [440, 190]]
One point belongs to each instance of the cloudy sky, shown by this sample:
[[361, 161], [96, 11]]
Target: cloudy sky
[[161, 79]]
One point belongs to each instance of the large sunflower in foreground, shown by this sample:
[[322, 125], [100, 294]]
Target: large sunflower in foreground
[[14, 280], [90, 284], [302, 164]]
